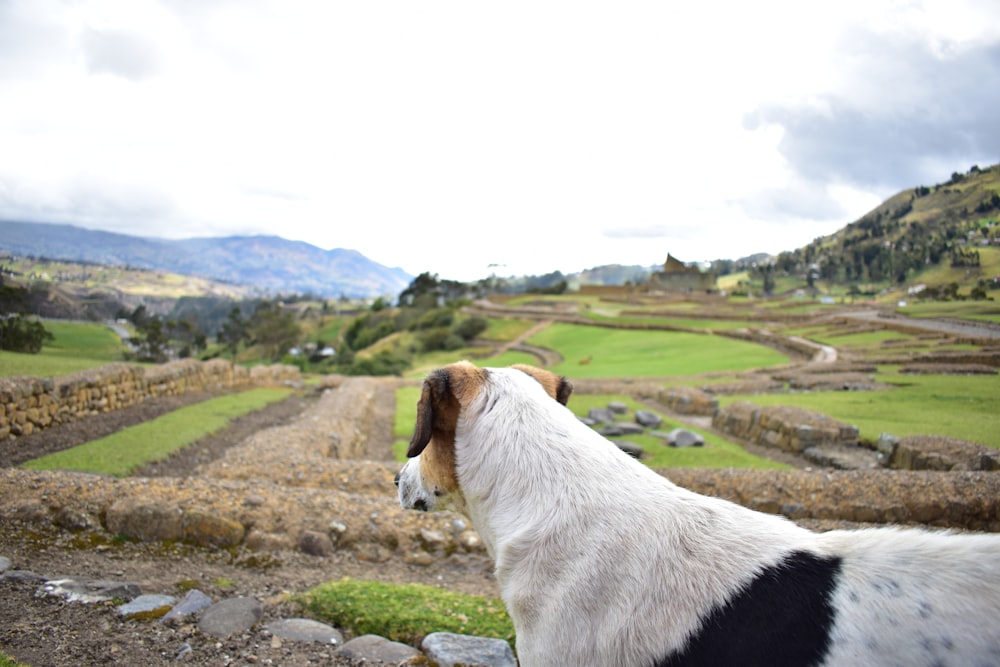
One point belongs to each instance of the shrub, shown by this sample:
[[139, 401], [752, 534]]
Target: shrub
[[21, 334], [471, 327], [383, 363]]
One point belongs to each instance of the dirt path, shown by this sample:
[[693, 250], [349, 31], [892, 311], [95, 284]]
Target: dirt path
[[951, 326]]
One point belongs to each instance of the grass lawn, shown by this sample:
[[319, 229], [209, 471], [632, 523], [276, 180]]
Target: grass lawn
[[405, 612], [717, 453], [681, 323], [592, 352], [77, 346], [966, 407], [506, 329], [121, 452], [987, 311]]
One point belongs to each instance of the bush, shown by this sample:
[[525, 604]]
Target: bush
[[383, 363], [434, 319], [471, 327], [21, 334], [433, 340]]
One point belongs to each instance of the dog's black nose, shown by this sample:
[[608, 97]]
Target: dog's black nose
[[396, 479], [420, 504]]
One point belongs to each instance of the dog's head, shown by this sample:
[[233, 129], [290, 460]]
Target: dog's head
[[429, 480]]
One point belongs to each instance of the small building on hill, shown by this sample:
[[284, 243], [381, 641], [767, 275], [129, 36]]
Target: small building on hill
[[677, 276]]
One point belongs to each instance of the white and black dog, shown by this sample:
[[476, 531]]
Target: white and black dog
[[602, 561]]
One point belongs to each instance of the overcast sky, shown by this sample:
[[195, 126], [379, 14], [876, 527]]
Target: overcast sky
[[468, 138]]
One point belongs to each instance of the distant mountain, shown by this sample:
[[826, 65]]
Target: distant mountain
[[267, 262]]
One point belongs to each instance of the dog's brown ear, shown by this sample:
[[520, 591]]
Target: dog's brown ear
[[434, 385], [555, 386], [444, 392], [564, 390]]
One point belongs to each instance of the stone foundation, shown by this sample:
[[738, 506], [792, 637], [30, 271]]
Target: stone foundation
[[28, 404], [788, 428]]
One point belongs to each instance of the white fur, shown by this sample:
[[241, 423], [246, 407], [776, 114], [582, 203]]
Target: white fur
[[603, 562]]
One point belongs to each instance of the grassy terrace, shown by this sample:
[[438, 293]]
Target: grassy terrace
[[591, 352], [77, 346], [956, 406], [120, 453]]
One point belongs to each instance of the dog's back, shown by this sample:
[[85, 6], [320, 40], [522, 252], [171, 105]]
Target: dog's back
[[601, 561]]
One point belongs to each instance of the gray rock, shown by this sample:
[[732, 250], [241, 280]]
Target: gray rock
[[449, 650], [610, 430], [305, 630], [630, 448], [145, 604], [587, 421], [375, 649], [432, 539], [4, 564], [226, 618], [74, 520], [630, 428], [618, 408], [193, 602], [88, 590], [886, 447], [601, 415], [681, 437], [648, 419], [315, 543], [184, 651]]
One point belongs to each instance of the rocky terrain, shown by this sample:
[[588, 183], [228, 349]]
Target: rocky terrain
[[301, 493], [53, 525]]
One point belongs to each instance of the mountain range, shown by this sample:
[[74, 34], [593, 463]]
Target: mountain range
[[270, 263]]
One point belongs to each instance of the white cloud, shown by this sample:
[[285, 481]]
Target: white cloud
[[448, 136]]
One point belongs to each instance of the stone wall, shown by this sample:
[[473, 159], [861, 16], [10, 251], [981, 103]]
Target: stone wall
[[965, 499], [788, 428], [28, 404], [688, 401], [929, 452]]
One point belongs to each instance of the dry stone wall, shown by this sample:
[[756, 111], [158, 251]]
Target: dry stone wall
[[788, 428], [28, 404], [929, 452]]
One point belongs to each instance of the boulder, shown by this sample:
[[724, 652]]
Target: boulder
[[681, 437]]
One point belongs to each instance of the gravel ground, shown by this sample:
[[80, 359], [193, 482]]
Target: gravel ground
[[48, 632]]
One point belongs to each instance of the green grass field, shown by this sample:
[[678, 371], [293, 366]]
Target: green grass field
[[594, 352], [955, 406], [717, 452], [77, 346], [987, 311], [120, 453]]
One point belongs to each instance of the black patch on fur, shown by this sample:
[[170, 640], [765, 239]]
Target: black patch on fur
[[781, 619]]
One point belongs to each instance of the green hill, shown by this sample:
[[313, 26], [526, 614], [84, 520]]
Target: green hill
[[914, 235]]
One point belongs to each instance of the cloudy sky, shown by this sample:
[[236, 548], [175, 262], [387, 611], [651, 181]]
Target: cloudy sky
[[467, 138]]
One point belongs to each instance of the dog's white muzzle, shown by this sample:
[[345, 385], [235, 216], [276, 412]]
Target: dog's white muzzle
[[413, 495]]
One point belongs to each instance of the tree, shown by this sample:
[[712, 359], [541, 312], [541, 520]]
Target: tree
[[234, 331], [151, 343], [421, 292], [274, 329], [21, 334]]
